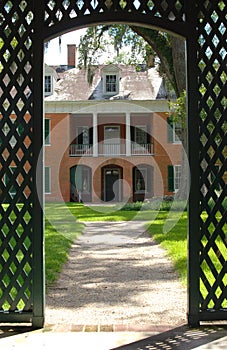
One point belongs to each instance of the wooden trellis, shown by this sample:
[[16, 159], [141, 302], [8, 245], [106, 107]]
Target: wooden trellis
[[25, 25]]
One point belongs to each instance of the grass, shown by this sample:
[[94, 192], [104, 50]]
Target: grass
[[64, 225], [175, 243], [61, 229]]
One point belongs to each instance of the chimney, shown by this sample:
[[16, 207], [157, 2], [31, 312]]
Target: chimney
[[71, 55]]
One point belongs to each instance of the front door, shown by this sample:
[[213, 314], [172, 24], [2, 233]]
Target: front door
[[112, 185]]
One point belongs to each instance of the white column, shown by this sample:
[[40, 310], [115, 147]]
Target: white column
[[128, 135], [95, 135]]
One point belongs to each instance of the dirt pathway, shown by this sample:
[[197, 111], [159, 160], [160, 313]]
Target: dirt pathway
[[116, 274]]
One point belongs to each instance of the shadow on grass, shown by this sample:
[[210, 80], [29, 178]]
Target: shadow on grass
[[183, 338]]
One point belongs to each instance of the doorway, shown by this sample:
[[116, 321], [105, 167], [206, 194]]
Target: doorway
[[112, 185], [112, 140]]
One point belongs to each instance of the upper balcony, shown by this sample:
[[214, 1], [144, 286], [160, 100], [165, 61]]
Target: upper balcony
[[108, 149], [107, 135]]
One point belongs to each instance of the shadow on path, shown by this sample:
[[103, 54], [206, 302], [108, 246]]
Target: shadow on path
[[183, 338]]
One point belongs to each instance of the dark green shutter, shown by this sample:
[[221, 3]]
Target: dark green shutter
[[91, 136], [132, 131], [47, 130], [47, 180], [170, 130], [170, 178], [80, 135]]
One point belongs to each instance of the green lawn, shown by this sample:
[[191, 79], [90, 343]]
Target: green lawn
[[63, 225], [174, 241]]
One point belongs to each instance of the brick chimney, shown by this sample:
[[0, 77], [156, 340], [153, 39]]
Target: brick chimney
[[71, 55]]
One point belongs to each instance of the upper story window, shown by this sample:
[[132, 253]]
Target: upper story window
[[50, 78], [83, 135], [174, 131], [48, 85], [141, 134], [111, 83], [111, 78]]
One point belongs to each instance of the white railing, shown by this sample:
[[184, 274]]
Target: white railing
[[78, 150], [108, 149], [141, 149], [105, 149]]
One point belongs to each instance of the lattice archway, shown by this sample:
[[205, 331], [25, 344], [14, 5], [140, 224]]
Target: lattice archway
[[24, 27]]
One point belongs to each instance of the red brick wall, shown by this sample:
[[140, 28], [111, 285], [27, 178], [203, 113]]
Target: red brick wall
[[57, 157]]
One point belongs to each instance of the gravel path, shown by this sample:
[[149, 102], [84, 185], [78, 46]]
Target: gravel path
[[117, 274]]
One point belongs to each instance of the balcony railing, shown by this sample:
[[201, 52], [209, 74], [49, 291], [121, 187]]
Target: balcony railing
[[77, 150], [114, 149], [104, 149], [142, 149]]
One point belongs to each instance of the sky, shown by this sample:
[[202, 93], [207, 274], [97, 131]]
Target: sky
[[55, 55]]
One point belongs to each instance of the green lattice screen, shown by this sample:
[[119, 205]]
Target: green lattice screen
[[16, 161], [212, 62], [24, 27]]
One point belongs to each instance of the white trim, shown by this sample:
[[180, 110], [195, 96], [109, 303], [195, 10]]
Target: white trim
[[177, 168], [93, 106]]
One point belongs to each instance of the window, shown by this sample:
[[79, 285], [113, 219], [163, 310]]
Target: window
[[86, 179], [141, 134], [177, 177], [174, 131], [83, 135], [174, 178], [140, 179], [48, 85], [47, 180], [47, 131], [111, 83]]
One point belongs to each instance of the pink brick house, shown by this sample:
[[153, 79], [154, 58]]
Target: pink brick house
[[110, 140]]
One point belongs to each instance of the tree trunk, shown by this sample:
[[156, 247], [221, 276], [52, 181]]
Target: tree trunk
[[178, 53]]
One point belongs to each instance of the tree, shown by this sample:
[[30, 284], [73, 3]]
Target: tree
[[168, 52]]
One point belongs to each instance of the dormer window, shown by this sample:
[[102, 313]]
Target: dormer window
[[111, 77], [48, 85], [111, 83], [50, 78]]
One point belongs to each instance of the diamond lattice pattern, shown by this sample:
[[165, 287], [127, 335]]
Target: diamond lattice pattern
[[58, 11], [213, 156], [15, 157]]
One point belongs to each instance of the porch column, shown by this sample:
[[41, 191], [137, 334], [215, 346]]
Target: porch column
[[95, 135], [128, 135]]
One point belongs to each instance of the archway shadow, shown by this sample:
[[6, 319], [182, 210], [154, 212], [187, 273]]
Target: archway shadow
[[9, 331], [183, 338]]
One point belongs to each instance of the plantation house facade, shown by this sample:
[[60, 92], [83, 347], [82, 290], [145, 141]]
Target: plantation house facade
[[109, 140]]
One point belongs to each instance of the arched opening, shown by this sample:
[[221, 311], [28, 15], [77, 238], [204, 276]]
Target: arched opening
[[142, 182], [25, 28], [111, 183], [104, 135], [80, 184]]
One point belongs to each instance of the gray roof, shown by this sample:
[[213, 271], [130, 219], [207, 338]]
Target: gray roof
[[133, 85]]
